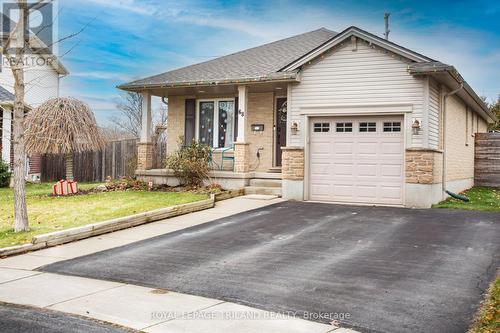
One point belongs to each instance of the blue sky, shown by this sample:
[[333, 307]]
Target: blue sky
[[129, 39]]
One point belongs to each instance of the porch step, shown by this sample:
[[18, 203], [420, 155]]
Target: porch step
[[263, 190], [265, 182], [267, 175]]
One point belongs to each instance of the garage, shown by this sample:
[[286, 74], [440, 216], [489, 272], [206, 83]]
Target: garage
[[357, 159]]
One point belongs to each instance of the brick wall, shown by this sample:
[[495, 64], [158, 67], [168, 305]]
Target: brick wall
[[293, 163], [176, 106], [144, 156], [261, 111], [461, 125], [241, 157]]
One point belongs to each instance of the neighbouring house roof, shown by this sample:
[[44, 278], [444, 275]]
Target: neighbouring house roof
[[6, 96], [259, 63]]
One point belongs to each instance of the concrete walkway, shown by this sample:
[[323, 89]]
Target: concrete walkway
[[146, 309]]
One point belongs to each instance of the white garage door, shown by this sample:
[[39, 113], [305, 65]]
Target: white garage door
[[357, 160]]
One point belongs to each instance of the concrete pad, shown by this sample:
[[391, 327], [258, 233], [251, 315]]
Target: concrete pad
[[27, 261], [8, 274], [144, 231], [46, 289], [230, 317], [81, 248], [134, 306], [259, 197]]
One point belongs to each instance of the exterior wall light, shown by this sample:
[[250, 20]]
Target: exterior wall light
[[295, 127], [415, 127]]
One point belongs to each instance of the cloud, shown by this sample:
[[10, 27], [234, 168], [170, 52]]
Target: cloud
[[103, 75]]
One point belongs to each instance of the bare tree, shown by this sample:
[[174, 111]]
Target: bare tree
[[129, 119], [17, 48]]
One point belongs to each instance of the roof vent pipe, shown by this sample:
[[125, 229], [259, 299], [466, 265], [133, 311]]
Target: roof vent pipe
[[451, 93]]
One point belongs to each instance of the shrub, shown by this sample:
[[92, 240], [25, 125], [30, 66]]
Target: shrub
[[190, 163], [4, 174]]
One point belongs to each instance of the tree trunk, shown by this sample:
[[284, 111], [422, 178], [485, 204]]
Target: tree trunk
[[20, 210], [68, 162]]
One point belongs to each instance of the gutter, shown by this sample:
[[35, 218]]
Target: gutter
[[443, 173], [281, 77]]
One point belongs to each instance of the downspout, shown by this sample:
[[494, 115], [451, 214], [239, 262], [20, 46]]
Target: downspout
[[443, 173]]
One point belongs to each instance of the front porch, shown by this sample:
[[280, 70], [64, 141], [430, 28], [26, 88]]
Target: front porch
[[245, 123], [253, 182]]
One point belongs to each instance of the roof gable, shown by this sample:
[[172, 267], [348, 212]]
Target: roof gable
[[357, 32]]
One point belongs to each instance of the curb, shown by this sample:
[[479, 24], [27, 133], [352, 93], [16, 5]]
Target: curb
[[99, 228]]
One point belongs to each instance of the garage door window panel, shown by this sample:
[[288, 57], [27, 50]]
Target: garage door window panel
[[367, 127], [321, 127], [392, 126], [343, 127]]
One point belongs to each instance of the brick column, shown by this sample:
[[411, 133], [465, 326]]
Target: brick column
[[144, 156], [292, 163], [292, 173], [423, 166], [241, 157]]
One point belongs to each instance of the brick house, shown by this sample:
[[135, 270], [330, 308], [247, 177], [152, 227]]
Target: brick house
[[336, 117]]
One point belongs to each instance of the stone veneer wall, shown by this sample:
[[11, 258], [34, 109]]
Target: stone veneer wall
[[423, 166], [293, 163]]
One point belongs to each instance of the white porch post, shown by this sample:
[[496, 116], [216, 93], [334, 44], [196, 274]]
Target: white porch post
[[241, 148], [145, 145], [147, 121], [242, 112], [6, 135]]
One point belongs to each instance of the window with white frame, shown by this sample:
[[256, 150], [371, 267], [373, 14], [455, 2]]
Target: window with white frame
[[216, 122]]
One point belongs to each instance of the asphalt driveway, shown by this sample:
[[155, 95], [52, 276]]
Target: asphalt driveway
[[17, 318], [376, 269]]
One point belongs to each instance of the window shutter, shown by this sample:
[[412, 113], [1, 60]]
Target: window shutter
[[189, 121], [236, 115]]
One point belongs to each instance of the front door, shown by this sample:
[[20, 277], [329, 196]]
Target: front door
[[281, 112]]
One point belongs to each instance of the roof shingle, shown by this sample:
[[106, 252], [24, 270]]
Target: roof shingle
[[255, 62]]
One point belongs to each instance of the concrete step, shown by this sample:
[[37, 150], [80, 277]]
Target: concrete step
[[267, 175], [265, 182], [263, 190], [275, 170]]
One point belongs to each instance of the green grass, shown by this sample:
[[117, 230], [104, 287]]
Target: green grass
[[488, 318], [48, 214], [481, 198]]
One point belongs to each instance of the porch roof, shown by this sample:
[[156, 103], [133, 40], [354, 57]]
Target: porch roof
[[259, 64]]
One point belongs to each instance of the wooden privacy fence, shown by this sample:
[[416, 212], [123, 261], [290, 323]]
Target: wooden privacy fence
[[117, 159], [487, 161]]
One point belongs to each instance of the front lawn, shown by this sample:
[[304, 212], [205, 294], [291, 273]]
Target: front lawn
[[48, 213], [481, 198], [488, 318]]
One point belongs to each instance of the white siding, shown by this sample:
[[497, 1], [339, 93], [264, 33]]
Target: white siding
[[42, 83], [434, 115], [346, 77]]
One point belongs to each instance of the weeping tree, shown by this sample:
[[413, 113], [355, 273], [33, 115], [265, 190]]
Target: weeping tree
[[62, 126]]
